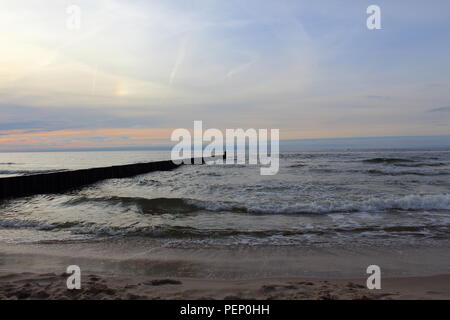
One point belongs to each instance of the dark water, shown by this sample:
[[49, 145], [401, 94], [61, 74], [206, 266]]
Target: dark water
[[317, 198]]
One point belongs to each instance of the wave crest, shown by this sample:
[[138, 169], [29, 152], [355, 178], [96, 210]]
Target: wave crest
[[185, 205]]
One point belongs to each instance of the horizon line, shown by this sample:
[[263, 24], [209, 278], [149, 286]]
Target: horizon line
[[164, 147]]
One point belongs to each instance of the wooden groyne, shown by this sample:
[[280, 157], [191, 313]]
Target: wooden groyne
[[57, 182]]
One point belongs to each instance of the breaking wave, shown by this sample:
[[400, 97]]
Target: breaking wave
[[170, 231], [411, 202], [146, 206], [183, 205]]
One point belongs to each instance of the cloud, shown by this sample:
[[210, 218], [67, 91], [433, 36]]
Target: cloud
[[83, 138], [180, 58], [378, 97], [442, 109], [51, 118], [311, 69]]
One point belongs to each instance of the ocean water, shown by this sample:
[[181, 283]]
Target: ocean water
[[318, 198]]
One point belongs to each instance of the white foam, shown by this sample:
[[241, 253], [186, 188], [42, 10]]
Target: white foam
[[409, 202]]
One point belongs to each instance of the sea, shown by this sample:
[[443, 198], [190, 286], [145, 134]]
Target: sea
[[317, 199]]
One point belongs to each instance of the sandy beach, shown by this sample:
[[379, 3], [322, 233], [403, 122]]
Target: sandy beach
[[53, 286], [132, 269]]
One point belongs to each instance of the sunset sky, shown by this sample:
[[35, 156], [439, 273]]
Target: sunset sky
[[135, 70]]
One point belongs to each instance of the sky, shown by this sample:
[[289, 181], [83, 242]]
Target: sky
[[136, 70]]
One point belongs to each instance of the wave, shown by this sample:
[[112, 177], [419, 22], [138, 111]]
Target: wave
[[7, 163], [324, 170], [24, 172], [180, 232], [11, 223], [386, 160], [185, 205], [297, 165], [385, 172], [146, 206], [407, 172], [410, 202], [424, 164]]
